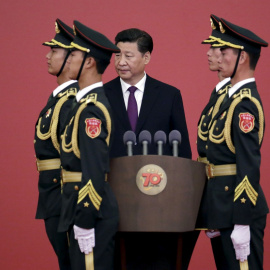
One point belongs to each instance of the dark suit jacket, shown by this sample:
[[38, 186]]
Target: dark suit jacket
[[161, 109]]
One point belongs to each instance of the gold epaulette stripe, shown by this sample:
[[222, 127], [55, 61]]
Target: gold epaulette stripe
[[66, 147], [52, 132], [251, 192], [245, 93], [57, 109], [40, 135], [218, 103], [200, 132], [216, 138], [63, 98], [91, 99], [89, 190]]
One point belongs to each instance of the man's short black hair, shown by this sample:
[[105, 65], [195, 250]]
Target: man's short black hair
[[101, 65], [143, 39], [253, 59]]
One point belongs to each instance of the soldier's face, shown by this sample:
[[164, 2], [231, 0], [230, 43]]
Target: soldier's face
[[227, 61], [75, 60], [130, 62], [213, 55], [55, 59]]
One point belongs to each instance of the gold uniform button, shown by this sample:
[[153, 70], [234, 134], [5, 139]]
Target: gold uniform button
[[206, 147], [76, 187], [55, 180], [204, 124], [226, 188], [217, 129]]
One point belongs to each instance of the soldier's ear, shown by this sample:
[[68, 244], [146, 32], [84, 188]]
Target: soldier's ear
[[89, 62], [243, 57]]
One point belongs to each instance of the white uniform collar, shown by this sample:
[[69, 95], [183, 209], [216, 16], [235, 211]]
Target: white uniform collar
[[62, 86], [87, 89], [233, 89], [222, 83]]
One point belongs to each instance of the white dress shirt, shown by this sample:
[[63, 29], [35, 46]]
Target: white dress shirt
[[138, 93]]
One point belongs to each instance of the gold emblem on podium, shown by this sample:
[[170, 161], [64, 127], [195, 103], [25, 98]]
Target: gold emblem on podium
[[151, 179]]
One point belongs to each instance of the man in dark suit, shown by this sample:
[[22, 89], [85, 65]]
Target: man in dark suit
[[47, 137], [158, 106]]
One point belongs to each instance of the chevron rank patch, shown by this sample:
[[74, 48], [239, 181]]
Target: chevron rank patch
[[246, 122], [92, 127]]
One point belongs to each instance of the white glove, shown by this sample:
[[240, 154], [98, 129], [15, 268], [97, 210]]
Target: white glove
[[86, 238], [212, 233], [241, 241]]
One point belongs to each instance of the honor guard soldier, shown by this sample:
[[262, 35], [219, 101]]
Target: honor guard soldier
[[47, 138], [209, 111], [89, 208], [217, 94], [235, 203]]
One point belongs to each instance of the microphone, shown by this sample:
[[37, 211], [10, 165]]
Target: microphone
[[145, 139], [129, 139], [160, 138], [175, 140]]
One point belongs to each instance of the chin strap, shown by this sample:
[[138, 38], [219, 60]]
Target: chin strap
[[84, 58], [236, 64], [63, 65]]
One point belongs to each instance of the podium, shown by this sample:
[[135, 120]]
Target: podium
[[157, 194]]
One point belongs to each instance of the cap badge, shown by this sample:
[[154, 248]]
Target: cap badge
[[212, 24], [222, 30], [57, 28]]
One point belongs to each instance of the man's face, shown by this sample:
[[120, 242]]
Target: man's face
[[130, 63], [227, 62], [75, 60], [55, 58], [213, 55]]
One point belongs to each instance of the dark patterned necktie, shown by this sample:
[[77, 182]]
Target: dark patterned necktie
[[132, 108]]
